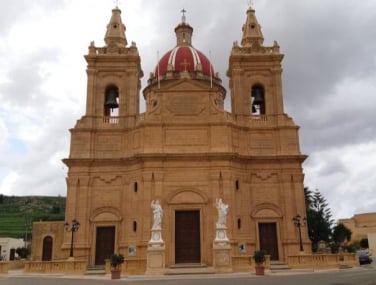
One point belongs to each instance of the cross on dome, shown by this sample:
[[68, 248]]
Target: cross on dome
[[185, 64], [183, 18]]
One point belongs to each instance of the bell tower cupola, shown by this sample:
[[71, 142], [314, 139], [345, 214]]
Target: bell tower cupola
[[251, 30], [115, 35], [113, 80], [255, 75]]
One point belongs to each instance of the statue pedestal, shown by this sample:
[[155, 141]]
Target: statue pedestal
[[155, 264], [221, 234], [222, 251]]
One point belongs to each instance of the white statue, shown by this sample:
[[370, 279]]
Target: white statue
[[222, 212], [157, 214]]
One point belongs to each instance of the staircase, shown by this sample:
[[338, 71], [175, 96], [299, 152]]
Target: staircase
[[278, 266], [95, 270], [183, 269]]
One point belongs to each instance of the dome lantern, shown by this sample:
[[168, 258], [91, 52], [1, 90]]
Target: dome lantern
[[183, 32]]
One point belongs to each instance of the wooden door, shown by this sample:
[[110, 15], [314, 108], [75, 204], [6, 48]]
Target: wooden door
[[268, 239], [187, 237], [105, 244], [47, 249]]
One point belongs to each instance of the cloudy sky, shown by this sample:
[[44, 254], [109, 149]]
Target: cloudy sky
[[329, 81]]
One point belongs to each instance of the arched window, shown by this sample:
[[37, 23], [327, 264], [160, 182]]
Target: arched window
[[47, 249], [111, 101], [258, 100]]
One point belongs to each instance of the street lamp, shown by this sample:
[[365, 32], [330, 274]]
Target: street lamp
[[299, 223], [72, 228]]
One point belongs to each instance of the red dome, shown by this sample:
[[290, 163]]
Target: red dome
[[184, 58]]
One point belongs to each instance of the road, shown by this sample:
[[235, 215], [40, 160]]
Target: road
[[365, 275]]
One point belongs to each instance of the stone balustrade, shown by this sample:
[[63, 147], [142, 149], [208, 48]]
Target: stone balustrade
[[63, 266], [322, 261], [245, 263], [4, 266], [131, 266]]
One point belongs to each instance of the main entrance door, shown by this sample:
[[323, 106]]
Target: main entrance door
[[187, 237], [268, 239], [105, 244]]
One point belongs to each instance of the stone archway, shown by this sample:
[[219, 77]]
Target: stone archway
[[105, 224], [187, 208], [268, 217], [47, 248]]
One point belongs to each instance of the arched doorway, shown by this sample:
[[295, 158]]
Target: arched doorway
[[268, 217], [187, 208], [47, 249]]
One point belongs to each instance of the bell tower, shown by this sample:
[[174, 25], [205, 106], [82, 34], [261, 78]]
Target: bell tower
[[113, 84], [270, 140], [99, 137], [255, 75]]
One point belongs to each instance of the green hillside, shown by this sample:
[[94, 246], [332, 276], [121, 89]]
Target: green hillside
[[18, 212]]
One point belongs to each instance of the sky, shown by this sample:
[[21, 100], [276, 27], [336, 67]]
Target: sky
[[329, 81]]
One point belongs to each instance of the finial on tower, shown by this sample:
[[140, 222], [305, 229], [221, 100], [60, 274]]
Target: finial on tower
[[117, 2], [183, 18], [250, 3]]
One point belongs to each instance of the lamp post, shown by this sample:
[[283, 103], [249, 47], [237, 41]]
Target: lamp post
[[72, 228], [298, 222]]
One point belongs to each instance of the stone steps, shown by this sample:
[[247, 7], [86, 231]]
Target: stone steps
[[95, 270], [189, 269], [344, 265], [278, 266]]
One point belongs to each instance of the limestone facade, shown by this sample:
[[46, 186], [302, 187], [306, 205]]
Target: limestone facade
[[360, 225], [185, 151]]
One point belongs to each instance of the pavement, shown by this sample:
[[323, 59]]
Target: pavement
[[21, 273]]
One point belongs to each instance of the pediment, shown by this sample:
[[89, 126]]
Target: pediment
[[187, 85], [187, 197], [106, 214], [266, 210]]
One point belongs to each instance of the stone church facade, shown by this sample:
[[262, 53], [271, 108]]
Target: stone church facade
[[186, 153]]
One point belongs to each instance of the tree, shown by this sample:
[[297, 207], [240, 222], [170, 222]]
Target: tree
[[364, 243], [22, 252], [308, 198], [341, 234], [319, 218]]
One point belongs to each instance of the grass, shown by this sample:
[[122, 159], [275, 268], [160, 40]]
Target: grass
[[18, 213]]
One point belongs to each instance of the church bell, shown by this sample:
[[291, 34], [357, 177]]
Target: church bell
[[258, 96], [111, 99]]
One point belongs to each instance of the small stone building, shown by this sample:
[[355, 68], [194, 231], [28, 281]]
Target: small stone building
[[8, 247], [360, 225], [186, 152]]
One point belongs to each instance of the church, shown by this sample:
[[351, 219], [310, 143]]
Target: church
[[185, 184]]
